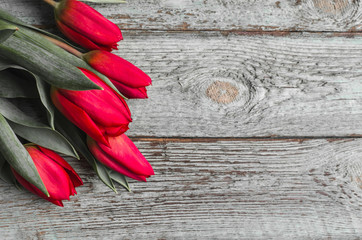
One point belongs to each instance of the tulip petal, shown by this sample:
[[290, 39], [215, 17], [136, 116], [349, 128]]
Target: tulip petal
[[109, 90], [78, 116], [104, 107], [80, 39], [30, 187], [88, 22], [77, 181], [130, 92], [101, 156], [117, 68], [123, 150], [55, 178], [99, 106], [57, 202], [114, 131]]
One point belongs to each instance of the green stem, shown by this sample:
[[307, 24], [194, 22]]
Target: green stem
[[51, 2], [65, 46]]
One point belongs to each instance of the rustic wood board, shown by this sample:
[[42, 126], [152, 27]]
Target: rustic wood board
[[213, 85], [262, 15], [240, 189], [252, 126], [242, 85]]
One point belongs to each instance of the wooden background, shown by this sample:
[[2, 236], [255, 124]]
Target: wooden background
[[253, 125]]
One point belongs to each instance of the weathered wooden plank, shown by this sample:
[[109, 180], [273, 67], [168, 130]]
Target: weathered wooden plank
[[213, 85], [266, 15], [209, 189]]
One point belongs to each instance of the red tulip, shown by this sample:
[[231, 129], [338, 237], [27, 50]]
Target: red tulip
[[122, 156], [58, 176], [129, 79], [85, 26], [99, 113]]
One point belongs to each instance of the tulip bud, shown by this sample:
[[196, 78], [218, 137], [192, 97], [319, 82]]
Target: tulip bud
[[122, 156], [58, 176], [85, 26], [129, 79], [99, 113]]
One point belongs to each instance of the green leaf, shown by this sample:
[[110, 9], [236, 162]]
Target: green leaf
[[44, 93], [5, 64], [68, 57], [45, 137], [17, 156], [77, 139], [41, 57], [106, 80], [12, 112], [6, 30], [15, 84], [5, 171], [13, 20], [6, 16], [5, 34], [119, 178], [34, 38], [6, 175], [43, 90], [33, 130], [102, 173]]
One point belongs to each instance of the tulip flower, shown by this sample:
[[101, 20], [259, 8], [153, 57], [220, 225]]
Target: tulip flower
[[122, 156], [129, 79], [58, 176], [99, 113], [85, 26]]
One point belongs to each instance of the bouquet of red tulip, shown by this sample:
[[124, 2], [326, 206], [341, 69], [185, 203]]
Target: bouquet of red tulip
[[57, 99]]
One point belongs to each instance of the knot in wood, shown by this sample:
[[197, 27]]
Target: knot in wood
[[332, 7], [222, 92]]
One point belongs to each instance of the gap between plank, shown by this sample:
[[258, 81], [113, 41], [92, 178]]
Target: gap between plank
[[231, 31], [262, 138]]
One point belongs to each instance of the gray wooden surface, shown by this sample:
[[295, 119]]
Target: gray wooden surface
[[253, 126]]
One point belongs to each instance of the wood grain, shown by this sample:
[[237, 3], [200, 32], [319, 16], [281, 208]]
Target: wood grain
[[240, 189], [213, 85], [226, 75], [266, 15]]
